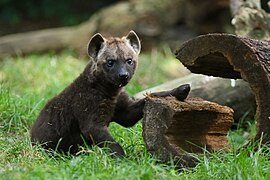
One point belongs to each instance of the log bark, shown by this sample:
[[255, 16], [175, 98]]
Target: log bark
[[174, 129], [231, 56], [235, 94]]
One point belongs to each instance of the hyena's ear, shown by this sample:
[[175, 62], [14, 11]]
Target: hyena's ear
[[134, 41], [94, 45]]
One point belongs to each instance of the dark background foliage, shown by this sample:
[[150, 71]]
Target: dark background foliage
[[19, 15]]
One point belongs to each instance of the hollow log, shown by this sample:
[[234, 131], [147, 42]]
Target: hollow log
[[230, 56], [173, 129], [235, 94]]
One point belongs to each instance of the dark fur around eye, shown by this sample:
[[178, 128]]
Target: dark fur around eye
[[130, 61], [110, 62]]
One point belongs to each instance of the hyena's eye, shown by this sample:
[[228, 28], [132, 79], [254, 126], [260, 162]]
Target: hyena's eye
[[110, 62], [130, 61]]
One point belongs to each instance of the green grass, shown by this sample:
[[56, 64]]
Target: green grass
[[26, 83]]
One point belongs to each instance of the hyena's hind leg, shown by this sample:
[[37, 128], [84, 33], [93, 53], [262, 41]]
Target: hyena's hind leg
[[98, 134]]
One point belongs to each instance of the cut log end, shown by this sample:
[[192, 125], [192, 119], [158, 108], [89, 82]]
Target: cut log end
[[173, 128]]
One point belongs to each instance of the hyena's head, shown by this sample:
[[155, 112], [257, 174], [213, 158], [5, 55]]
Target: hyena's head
[[116, 58]]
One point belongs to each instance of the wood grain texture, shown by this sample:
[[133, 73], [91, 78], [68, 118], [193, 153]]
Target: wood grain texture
[[173, 128], [230, 56]]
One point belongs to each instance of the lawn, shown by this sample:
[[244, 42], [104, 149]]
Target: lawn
[[27, 83]]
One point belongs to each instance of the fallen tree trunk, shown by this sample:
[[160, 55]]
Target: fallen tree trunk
[[37, 41], [172, 129], [144, 16], [232, 93], [230, 56], [153, 20], [49, 39]]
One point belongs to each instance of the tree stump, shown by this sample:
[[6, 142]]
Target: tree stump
[[173, 129], [235, 57]]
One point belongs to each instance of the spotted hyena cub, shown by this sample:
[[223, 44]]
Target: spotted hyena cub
[[82, 112]]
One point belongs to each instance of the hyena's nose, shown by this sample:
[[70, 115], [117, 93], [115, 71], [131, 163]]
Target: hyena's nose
[[124, 75]]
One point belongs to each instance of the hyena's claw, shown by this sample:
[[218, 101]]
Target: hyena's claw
[[146, 94]]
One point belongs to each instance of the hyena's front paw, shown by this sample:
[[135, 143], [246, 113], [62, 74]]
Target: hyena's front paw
[[181, 92], [116, 150]]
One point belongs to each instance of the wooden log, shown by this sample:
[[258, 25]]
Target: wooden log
[[36, 41], [153, 20], [148, 18], [230, 56], [173, 129], [235, 94]]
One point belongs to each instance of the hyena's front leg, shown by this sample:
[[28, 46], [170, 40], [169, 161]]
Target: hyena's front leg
[[128, 112], [181, 92], [99, 135]]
